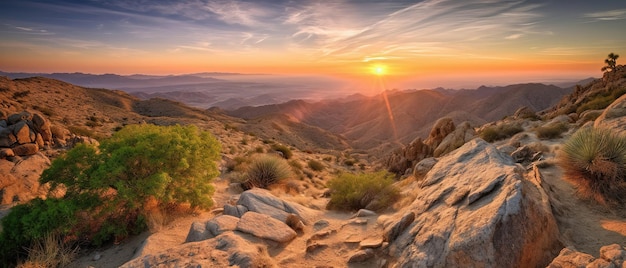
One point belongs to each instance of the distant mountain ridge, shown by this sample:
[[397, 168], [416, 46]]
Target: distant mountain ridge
[[366, 121]]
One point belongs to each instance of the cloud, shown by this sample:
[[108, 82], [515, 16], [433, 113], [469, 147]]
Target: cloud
[[440, 27], [618, 14]]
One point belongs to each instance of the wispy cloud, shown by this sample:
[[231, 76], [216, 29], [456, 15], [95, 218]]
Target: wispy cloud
[[618, 14], [437, 26]]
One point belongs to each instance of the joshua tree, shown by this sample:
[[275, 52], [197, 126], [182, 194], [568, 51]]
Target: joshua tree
[[610, 62]]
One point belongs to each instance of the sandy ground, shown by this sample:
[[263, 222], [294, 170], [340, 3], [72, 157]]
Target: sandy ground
[[583, 225]]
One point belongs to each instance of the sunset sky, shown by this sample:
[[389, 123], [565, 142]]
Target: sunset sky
[[442, 40]]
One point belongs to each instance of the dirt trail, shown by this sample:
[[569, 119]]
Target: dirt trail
[[583, 225]]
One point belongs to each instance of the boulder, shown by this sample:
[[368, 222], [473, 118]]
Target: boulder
[[462, 134], [26, 149], [402, 159], [19, 182], [204, 230], [23, 116], [226, 250], [524, 113], [611, 256], [266, 227], [262, 201], [23, 133], [422, 167], [442, 128], [614, 116], [475, 209], [235, 211]]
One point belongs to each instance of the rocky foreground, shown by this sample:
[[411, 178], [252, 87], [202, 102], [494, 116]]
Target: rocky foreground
[[475, 208]]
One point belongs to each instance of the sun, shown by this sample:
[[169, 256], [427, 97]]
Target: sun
[[379, 69]]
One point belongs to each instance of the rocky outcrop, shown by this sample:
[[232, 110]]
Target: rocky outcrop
[[475, 209], [402, 159], [19, 181], [525, 113], [442, 128], [226, 250], [24, 134], [262, 201], [614, 116], [610, 256], [462, 134]]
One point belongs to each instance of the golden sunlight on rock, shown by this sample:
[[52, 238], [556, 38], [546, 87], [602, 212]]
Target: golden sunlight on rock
[[615, 226]]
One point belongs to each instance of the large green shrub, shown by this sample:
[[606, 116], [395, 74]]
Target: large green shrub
[[266, 170], [374, 191], [595, 159], [109, 187]]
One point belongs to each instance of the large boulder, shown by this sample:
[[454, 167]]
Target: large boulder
[[475, 209], [204, 230], [263, 202], [19, 182], [614, 116], [266, 227], [442, 128], [402, 159], [462, 134], [225, 250]]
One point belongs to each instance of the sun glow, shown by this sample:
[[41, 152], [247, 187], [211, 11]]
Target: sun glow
[[379, 69]]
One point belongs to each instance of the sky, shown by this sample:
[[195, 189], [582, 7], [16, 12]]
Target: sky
[[418, 43]]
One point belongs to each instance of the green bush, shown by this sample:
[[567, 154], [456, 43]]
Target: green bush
[[595, 159], [30, 223], [500, 132], [109, 187], [374, 191], [315, 165], [551, 131], [266, 170], [284, 150]]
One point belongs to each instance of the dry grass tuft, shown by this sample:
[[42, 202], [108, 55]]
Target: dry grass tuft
[[595, 159], [49, 252]]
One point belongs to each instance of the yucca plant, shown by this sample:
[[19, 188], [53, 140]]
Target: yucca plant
[[266, 170], [595, 159]]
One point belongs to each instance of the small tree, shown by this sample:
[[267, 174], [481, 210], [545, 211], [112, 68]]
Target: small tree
[[111, 188], [611, 62]]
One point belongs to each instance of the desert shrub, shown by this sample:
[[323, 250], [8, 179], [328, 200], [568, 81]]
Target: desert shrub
[[595, 159], [29, 224], [21, 94], [349, 162], [284, 150], [108, 187], [51, 251], [500, 132], [373, 191], [551, 131], [601, 100], [265, 170], [295, 164], [315, 165], [259, 149]]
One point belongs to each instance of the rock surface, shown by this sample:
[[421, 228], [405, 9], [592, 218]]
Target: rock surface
[[442, 128], [19, 182], [225, 250], [610, 256], [462, 134], [263, 202], [475, 209], [25, 133], [204, 230], [614, 116], [264, 226]]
